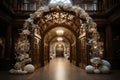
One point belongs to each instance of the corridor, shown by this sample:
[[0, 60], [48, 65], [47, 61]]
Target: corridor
[[60, 69]]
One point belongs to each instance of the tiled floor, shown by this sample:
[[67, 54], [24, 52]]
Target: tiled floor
[[61, 69]]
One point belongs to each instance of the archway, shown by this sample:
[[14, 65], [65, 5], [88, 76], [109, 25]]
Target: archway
[[72, 17], [59, 35], [60, 49]]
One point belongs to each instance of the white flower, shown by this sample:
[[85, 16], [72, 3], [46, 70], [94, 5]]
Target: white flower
[[26, 32], [17, 66], [32, 16], [89, 19], [95, 60], [67, 7], [77, 10], [60, 4], [52, 5], [84, 15], [43, 8], [29, 20]]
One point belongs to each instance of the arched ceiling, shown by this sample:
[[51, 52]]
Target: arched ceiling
[[51, 36]]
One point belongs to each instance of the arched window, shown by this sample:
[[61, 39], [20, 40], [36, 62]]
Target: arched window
[[29, 5], [90, 5]]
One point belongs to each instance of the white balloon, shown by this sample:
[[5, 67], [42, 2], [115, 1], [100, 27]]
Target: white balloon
[[29, 68], [106, 63], [104, 69], [96, 71], [89, 69]]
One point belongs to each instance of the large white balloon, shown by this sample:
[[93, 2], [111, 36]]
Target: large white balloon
[[97, 71], [89, 69], [29, 68], [104, 69], [106, 63]]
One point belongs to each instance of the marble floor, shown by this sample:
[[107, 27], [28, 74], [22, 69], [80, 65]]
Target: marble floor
[[61, 69]]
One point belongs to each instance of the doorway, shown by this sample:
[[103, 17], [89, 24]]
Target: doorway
[[59, 50]]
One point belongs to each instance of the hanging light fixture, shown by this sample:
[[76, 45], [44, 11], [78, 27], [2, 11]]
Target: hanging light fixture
[[59, 38], [60, 32]]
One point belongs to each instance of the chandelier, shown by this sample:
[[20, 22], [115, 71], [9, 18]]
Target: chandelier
[[59, 38], [60, 32]]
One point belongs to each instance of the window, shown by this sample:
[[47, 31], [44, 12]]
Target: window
[[90, 5], [29, 5]]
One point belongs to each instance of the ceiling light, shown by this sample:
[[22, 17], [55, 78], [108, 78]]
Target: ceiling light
[[60, 32], [59, 38]]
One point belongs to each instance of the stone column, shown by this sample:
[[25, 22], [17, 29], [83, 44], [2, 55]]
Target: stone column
[[105, 5], [77, 52], [108, 45], [8, 46], [42, 52], [48, 52], [70, 53]]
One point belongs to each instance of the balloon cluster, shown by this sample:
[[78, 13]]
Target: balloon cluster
[[98, 66]]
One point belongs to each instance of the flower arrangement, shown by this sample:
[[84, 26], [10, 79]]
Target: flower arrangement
[[22, 57]]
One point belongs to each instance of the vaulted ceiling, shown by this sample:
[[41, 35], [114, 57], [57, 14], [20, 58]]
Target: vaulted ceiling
[[67, 35]]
